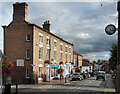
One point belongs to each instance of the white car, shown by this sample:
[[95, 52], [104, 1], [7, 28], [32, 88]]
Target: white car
[[76, 76]]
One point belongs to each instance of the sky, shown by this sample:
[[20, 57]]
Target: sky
[[80, 23]]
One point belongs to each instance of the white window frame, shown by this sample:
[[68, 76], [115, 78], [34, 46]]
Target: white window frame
[[47, 55], [27, 38], [65, 48], [40, 34], [40, 66], [66, 57], [61, 45], [69, 50], [69, 57], [61, 56], [48, 38], [27, 54], [27, 73], [40, 46]]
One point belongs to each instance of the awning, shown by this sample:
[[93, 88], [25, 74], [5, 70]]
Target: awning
[[55, 65]]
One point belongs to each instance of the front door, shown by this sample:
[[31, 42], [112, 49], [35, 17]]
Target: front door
[[47, 73]]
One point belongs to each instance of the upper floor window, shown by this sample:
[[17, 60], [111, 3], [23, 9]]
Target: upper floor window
[[61, 47], [40, 53], [54, 55], [27, 54], [55, 44], [40, 38], [27, 37], [60, 56], [66, 58], [65, 48], [48, 41], [69, 50], [70, 58], [48, 54]]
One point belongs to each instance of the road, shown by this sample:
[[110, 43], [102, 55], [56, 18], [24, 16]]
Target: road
[[86, 86]]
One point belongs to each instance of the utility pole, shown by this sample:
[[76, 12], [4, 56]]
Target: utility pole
[[118, 53]]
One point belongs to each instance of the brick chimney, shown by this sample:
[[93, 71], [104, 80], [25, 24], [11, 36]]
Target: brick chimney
[[20, 11], [46, 25]]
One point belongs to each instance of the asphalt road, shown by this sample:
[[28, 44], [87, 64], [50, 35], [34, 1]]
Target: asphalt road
[[86, 86]]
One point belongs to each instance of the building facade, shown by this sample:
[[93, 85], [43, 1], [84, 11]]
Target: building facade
[[77, 60], [35, 51]]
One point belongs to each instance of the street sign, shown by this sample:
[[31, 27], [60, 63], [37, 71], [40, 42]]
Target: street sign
[[110, 29]]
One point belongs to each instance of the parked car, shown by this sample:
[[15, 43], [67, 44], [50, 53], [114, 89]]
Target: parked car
[[95, 72], [91, 73], [81, 75], [76, 76], [84, 75], [88, 75], [100, 74]]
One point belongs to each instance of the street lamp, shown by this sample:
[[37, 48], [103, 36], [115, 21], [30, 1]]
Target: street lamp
[[60, 68]]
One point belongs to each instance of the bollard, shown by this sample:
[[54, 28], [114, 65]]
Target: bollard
[[7, 88], [16, 89], [65, 79]]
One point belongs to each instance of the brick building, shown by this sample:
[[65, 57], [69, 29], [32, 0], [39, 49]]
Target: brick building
[[77, 60], [35, 51]]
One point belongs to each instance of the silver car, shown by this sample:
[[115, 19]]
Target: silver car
[[76, 76]]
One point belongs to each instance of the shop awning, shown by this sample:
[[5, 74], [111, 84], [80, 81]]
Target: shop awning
[[54, 65]]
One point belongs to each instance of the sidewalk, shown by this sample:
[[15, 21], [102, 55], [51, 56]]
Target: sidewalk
[[109, 85], [56, 82]]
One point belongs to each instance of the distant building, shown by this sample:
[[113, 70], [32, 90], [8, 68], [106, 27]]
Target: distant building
[[77, 59], [36, 51], [87, 67]]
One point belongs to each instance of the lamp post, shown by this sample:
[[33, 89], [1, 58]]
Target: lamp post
[[60, 68]]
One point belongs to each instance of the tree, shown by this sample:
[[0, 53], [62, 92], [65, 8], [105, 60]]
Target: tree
[[113, 57]]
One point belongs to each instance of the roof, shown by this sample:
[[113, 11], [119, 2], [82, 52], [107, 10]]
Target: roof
[[85, 64], [76, 53], [48, 32]]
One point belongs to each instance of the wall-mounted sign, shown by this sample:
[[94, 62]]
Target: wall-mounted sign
[[110, 29], [20, 62]]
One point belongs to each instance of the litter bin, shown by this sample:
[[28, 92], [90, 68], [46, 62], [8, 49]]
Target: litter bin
[[7, 88]]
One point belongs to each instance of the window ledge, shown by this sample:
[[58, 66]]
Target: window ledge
[[40, 60], [27, 77]]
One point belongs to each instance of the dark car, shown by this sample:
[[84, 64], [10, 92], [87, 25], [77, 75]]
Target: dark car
[[91, 73], [100, 74]]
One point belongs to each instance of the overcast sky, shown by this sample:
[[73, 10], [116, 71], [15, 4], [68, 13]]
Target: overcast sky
[[80, 23]]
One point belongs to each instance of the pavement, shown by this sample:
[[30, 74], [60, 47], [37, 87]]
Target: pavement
[[86, 86]]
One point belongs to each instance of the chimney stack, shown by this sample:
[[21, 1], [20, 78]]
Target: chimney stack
[[46, 25], [20, 11]]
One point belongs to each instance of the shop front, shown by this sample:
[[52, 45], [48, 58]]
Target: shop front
[[54, 73], [67, 70]]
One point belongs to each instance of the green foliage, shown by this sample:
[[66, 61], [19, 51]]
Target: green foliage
[[113, 56]]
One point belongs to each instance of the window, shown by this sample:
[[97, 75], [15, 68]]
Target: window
[[66, 58], [27, 54], [66, 49], [40, 39], [70, 58], [60, 56], [40, 52], [54, 55], [74, 59], [48, 41], [48, 54], [69, 50], [27, 37], [61, 48], [27, 73], [40, 72], [55, 43]]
